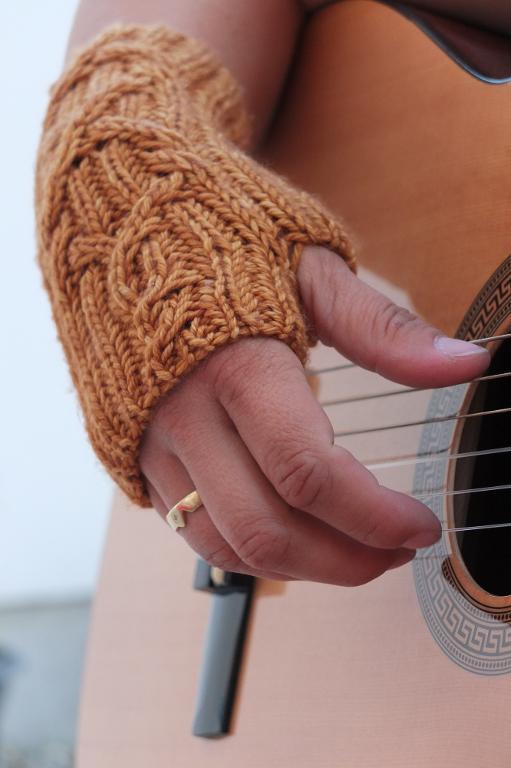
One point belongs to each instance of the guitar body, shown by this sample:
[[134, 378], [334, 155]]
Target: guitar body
[[413, 669]]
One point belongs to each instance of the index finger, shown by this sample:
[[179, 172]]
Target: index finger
[[265, 393]]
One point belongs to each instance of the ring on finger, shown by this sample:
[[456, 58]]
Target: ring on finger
[[176, 517]]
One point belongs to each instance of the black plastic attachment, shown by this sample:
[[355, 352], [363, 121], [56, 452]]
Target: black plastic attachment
[[232, 594]]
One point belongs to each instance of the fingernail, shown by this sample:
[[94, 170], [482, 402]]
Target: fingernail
[[423, 539], [457, 347]]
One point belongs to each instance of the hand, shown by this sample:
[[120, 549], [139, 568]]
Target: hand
[[280, 499]]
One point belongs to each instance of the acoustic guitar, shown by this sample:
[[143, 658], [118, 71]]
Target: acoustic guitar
[[401, 122]]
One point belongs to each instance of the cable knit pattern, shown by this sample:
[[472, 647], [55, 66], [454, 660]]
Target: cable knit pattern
[[159, 240]]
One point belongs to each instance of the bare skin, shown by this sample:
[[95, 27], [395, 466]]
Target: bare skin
[[280, 499]]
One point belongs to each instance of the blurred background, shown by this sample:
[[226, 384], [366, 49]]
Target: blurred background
[[54, 495]]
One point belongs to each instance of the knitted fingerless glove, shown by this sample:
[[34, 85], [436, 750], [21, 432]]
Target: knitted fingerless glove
[[158, 239]]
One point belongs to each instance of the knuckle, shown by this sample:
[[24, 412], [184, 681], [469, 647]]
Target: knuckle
[[263, 546], [301, 477], [233, 373], [391, 320], [229, 372]]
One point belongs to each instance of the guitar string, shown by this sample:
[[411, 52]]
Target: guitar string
[[461, 491], [437, 419], [459, 529], [436, 456], [329, 369], [435, 494], [424, 458], [407, 391], [342, 366], [434, 420], [465, 528]]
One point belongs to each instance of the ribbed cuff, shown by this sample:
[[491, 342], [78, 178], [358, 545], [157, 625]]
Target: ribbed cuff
[[159, 240]]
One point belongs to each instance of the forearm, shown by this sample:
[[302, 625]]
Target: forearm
[[254, 39], [159, 240]]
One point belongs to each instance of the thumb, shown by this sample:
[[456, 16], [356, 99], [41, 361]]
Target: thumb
[[373, 332]]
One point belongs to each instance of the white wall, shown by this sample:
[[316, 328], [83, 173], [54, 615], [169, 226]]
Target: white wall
[[54, 495]]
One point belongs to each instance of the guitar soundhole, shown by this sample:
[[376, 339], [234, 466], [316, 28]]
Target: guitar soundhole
[[486, 554]]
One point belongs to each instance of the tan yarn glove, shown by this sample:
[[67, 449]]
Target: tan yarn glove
[[158, 239]]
